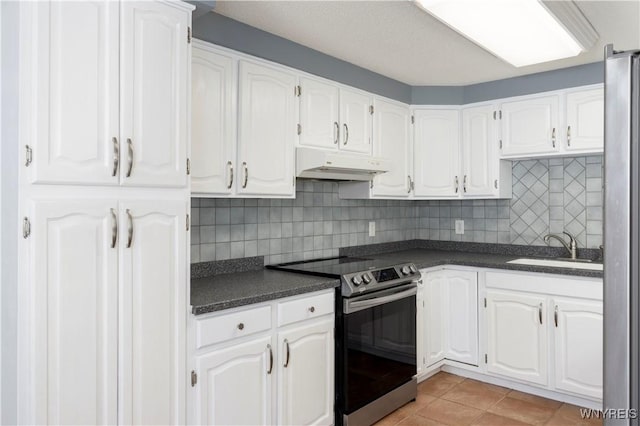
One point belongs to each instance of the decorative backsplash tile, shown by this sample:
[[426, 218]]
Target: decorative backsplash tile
[[549, 195]]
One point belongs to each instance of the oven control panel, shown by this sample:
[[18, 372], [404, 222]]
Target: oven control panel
[[378, 279]]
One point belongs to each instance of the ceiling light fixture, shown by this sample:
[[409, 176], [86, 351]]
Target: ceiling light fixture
[[521, 32]]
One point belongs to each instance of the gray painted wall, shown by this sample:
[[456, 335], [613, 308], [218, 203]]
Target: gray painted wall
[[227, 32], [9, 214], [549, 195]]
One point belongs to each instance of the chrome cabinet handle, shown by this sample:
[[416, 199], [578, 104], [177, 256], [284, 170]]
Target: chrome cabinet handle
[[408, 186], [130, 228], [286, 361], [130, 146], [568, 135], [336, 137], [555, 315], [540, 313], [270, 359], [553, 137], [116, 156], [464, 183], [114, 228], [246, 175], [346, 133], [230, 166], [456, 183]]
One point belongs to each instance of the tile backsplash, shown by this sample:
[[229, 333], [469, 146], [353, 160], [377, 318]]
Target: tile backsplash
[[549, 195]]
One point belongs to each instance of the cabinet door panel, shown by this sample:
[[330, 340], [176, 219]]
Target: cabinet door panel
[[585, 120], [319, 116], [530, 126], [267, 131], [578, 347], [75, 307], [517, 336], [391, 142], [75, 105], [153, 300], [212, 122], [434, 286], [479, 153], [437, 153], [154, 83], [234, 386], [306, 382], [355, 118], [462, 330]]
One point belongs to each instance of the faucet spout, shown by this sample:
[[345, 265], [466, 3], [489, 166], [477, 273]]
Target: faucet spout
[[572, 246]]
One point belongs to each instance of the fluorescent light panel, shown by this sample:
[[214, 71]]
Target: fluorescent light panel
[[521, 32]]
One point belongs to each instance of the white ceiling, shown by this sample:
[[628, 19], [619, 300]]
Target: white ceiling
[[399, 40]]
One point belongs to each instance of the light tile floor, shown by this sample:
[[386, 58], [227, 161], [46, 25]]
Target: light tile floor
[[446, 399]]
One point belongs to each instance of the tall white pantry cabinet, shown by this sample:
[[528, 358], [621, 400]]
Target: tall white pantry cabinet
[[104, 196]]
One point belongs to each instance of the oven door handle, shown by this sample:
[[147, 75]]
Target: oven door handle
[[352, 306]]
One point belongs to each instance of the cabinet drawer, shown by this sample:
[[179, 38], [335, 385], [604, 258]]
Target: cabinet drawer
[[305, 308], [233, 325]]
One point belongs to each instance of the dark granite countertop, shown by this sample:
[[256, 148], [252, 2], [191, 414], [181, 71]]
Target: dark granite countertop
[[226, 291], [229, 290]]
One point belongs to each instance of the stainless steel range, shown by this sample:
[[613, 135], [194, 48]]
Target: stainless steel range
[[375, 334]]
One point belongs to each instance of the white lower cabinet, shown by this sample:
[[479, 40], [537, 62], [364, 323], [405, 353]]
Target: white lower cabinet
[[450, 312], [546, 331], [275, 370], [108, 293], [516, 336]]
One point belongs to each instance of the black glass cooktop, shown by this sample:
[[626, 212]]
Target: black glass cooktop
[[333, 267]]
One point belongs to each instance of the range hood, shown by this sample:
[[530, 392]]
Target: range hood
[[321, 164]]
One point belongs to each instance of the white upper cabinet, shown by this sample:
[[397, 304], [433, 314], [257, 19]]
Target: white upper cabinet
[[75, 93], [75, 308], [391, 137], [585, 120], [530, 126], [155, 76], [355, 116], [319, 114], [110, 102], [213, 121], [437, 153], [267, 131], [578, 346], [480, 161]]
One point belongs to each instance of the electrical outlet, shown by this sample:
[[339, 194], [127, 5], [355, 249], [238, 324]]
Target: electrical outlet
[[459, 226], [372, 229]]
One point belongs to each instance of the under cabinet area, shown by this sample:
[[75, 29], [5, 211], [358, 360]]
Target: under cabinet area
[[271, 363]]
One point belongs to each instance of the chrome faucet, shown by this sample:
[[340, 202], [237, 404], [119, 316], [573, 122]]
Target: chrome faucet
[[572, 247]]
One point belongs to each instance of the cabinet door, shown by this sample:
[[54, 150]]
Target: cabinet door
[[154, 57], [306, 374], [75, 98], [235, 384], [319, 118], [585, 120], [480, 160], [212, 122], [153, 312], [437, 153], [434, 286], [75, 308], [355, 118], [517, 336], [421, 326], [391, 142], [578, 346], [530, 126], [267, 125], [462, 316]]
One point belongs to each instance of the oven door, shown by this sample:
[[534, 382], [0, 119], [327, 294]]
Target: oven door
[[378, 344]]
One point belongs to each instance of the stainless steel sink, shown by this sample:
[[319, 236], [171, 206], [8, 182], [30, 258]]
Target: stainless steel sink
[[556, 263]]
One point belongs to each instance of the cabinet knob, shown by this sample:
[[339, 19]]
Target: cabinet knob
[[312, 309], [241, 326]]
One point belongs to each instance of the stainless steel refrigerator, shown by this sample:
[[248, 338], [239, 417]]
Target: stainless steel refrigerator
[[621, 237]]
